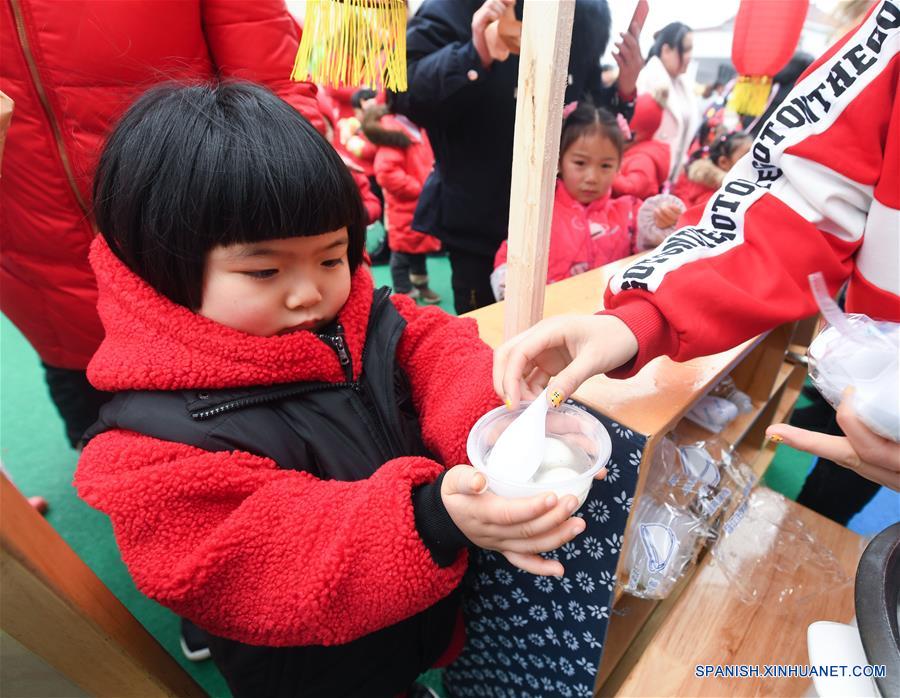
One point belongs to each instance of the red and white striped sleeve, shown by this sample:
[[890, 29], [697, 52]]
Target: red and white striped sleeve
[[819, 191]]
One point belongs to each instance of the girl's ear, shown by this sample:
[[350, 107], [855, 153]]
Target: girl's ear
[[723, 162]]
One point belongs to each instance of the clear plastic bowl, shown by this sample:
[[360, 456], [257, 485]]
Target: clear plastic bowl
[[577, 428]]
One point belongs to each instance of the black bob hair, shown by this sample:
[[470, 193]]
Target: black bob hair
[[671, 35], [192, 167], [587, 119]]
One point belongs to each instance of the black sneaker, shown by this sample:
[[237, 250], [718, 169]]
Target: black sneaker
[[194, 642]]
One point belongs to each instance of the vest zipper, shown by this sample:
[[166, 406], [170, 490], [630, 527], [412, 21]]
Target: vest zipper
[[45, 102], [268, 397], [336, 342]]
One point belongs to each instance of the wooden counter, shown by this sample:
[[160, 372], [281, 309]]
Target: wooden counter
[[709, 624], [651, 646]]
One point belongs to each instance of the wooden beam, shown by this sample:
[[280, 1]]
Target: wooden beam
[[543, 71], [53, 604]]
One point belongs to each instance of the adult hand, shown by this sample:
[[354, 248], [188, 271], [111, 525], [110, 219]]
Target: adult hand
[[517, 528], [627, 54], [489, 12], [862, 450], [570, 349], [496, 47]]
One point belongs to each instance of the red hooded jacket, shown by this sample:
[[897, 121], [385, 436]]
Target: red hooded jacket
[[646, 164], [645, 168], [403, 161], [249, 551], [72, 68]]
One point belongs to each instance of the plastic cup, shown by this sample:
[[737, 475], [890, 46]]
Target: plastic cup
[[583, 433]]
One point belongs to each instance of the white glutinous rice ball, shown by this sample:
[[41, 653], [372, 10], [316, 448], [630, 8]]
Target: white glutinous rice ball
[[557, 454], [546, 476]]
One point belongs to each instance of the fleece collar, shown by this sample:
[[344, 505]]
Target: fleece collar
[[152, 343]]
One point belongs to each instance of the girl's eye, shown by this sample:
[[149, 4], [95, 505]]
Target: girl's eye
[[332, 263], [261, 274]]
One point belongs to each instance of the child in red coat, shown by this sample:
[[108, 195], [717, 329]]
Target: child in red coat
[[707, 168], [279, 461], [645, 161], [589, 227], [403, 160]]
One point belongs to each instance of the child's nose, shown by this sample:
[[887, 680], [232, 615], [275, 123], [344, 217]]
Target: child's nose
[[303, 294]]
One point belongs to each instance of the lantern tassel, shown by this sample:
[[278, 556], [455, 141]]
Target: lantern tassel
[[353, 43], [750, 95]]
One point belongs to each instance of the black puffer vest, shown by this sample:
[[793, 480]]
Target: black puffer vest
[[339, 431]]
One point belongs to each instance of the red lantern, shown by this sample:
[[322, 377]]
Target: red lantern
[[766, 33]]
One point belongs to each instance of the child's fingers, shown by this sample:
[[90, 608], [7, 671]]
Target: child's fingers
[[463, 479], [545, 542], [501, 512], [535, 564], [546, 522]]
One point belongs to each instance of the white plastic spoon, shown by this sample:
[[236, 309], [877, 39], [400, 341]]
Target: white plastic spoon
[[520, 449]]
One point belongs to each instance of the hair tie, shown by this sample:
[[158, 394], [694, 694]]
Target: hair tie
[[569, 108], [623, 126]]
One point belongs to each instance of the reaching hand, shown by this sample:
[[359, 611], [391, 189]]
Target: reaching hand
[[666, 216], [561, 352], [872, 456], [517, 528], [627, 55], [489, 12]]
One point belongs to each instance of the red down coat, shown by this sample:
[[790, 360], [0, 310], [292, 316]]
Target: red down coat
[[249, 551], [586, 237], [645, 167], [403, 161], [72, 68]]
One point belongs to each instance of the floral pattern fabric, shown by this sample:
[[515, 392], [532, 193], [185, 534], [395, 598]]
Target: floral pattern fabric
[[541, 636]]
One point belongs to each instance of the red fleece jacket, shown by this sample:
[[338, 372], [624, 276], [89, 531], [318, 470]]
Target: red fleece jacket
[[247, 550]]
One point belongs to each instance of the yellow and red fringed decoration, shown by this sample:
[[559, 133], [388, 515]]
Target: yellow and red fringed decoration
[[750, 94], [353, 43], [765, 37]]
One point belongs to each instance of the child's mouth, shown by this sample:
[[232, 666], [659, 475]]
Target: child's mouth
[[311, 325]]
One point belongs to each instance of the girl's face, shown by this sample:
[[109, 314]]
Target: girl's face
[[589, 166], [677, 63], [277, 286], [726, 163]]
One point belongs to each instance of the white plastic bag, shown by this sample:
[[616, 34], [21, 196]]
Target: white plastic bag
[[854, 350]]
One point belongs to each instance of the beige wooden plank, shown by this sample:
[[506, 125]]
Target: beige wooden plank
[[546, 36], [54, 605]]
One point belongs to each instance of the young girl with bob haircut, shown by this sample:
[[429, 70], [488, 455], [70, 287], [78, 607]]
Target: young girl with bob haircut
[[274, 463]]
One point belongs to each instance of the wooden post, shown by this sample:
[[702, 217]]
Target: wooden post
[[53, 604], [543, 72]]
